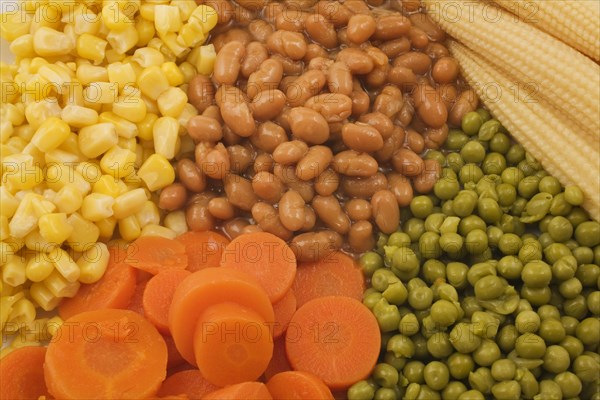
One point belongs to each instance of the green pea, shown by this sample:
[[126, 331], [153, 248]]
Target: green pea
[[573, 346], [569, 384], [550, 184], [548, 311], [504, 370], [439, 346], [451, 242], [512, 176], [470, 305], [479, 271], [527, 321], [436, 375], [460, 365], [470, 173], [399, 239], [370, 262], [433, 270], [556, 359], [456, 273], [476, 241], [385, 375], [453, 390], [511, 224], [550, 390], [488, 130], [433, 222], [588, 233], [361, 390], [420, 298], [421, 206], [588, 274], [489, 287], [387, 315], [409, 324], [471, 122], [435, 155], [537, 207], [575, 307], [573, 195], [518, 207], [588, 331], [385, 394], [531, 250], [455, 162], [528, 186], [500, 143], [529, 384], [536, 274], [396, 293], [593, 302], [564, 268], [444, 313], [414, 228], [493, 163], [536, 296], [413, 390], [570, 288], [529, 168], [510, 267], [494, 234], [456, 140], [577, 215], [556, 251], [371, 299], [481, 379], [382, 240], [463, 338], [569, 323], [510, 244], [429, 245], [413, 372], [523, 306], [530, 346], [382, 278], [397, 362], [484, 114], [583, 254], [586, 368], [552, 330], [507, 194], [559, 205], [507, 338], [464, 203], [427, 393], [506, 390], [571, 244], [404, 260], [487, 353], [446, 188], [472, 395], [489, 210], [515, 154]]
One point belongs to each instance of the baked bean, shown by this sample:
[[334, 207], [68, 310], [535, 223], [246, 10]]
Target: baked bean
[[213, 161], [272, 10], [405, 116], [393, 48], [291, 20], [320, 63], [301, 4], [267, 218], [379, 121], [360, 102], [363, 187], [335, 12], [389, 101], [327, 182], [267, 186], [231, 35], [239, 192], [256, 54], [221, 208], [377, 77], [435, 138], [448, 93], [240, 158], [310, 219], [433, 111], [223, 8], [378, 56], [406, 5], [321, 30], [314, 246], [243, 15], [230, 138], [316, 160], [235, 110], [423, 22], [339, 79], [357, 60], [198, 218], [445, 70], [268, 136], [290, 67], [204, 129], [436, 51], [251, 229], [334, 107], [263, 162], [415, 141], [418, 38], [465, 103], [267, 104], [353, 163], [430, 174], [313, 50], [190, 175], [228, 63], [360, 236], [214, 112], [290, 152], [358, 209], [361, 137], [386, 212], [305, 86], [390, 145], [419, 63], [360, 28], [260, 30], [287, 174], [401, 188], [330, 212], [342, 38], [268, 76], [172, 197], [291, 210], [357, 6], [234, 228], [390, 27], [308, 125], [407, 162], [201, 92], [286, 83], [402, 77], [254, 5], [288, 44]]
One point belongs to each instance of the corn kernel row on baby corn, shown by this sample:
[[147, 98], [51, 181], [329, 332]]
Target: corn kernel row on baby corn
[[91, 115]]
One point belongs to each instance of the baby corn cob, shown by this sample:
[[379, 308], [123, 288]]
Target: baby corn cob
[[539, 128], [576, 23], [563, 76]]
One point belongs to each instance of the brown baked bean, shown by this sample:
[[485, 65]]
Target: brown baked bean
[[290, 67], [393, 48], [390, 27], [377, 77], [339, 79], [223, 8], [360, 236], [448, 93], [310, 219], [287, 174], [357, 6], [213, 161], [291, 210], [357, 60], [419, 63], [198, 218], [327, 182], [321, 30], [379, 121], [363, 187], [425, 181], [229, 137], [307, 85], [267, 186], [233, 228], [362, 137], [308, 125], [342, 38], [353, 163], [268, 136], [190, 175], [401, 188], [423, 22], [360, 28], [330, 212], [235, 110], [220, 208], [338, 14], [445, 70], [256, 54], [320, 63], [465, 103], [360, 102], [231, 35], [390, 145], [239, 192], [415, 141], [201, 92], [252, 229], [301, 4], [240, 158], [228, 63], [267, 218], [402, 77], [436, 51], [435, 138], [314, 246], [172, 197], [407, 162], [263, 162], [291, 20], [406, 5], [272, 10], [214, 112], [244, 16], [378, 56], [334, 107], [254, 5], [314, 50], [358, 209], [385, 211], [316, 160], [260, 30], [418, 38], [288, 44], [267, 104], [432, 110], [389, 101], [268, 76], [286, 83], [290, 152], [204, 129]]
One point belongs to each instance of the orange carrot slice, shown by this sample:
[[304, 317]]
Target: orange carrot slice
[[284, 311], [22, 374], [190, 383], [266, 257], [106, 354], [292, 385], [279, 362], [232, 344], [154, 254], [157, 297], [206, 288], [241, 391], [174, 359], [135, 304], [114, 290], [204, 249], [336, 338], [335, 275]]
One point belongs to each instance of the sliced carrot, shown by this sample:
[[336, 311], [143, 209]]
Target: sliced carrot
[[292, 385], [22, 374], [204, 249], [241, 391], [335, 275], [174, 358], [157, 297], [284, 311], [154, 254], [114, 290], [190, 383], [336, 338], [279, 362], [266, 257], [233, 344], [135, 304], [206, 288], [106, 354]]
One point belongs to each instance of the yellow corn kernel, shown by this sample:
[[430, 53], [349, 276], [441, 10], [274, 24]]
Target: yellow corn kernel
[[122, 74], [107, 185], [124, 128], [145, 126], [20, 172], [106, 227], [91, 47], [64, 264], [166, 18], [78, 116], [129, 107], [59, 286], [114, 18], [24, 219], [112, 56], [206, 59], [73, 95], [42, 206], [152, 82], [25, 132], [38, 268], [43, 297], [88, 73], [129, 203], [46, 16], [54, 228], [51, 134], [191, 34], [97, 139], [4, 229], [101, 93], [174, 75], [59, 175], [158, 230], [14, 25], [13, 270], [22, 314], [87, 22], [207, 16], [124, 40], [148, 214], [186, 8], [97, 206], [53, 325], [183, 118], [176, 222], [9, 203], [165, 133], [93, 263], [7, 250], [118, 162], [59, 156], [70, 144], [187, 70], [17, 145], [48, 42], [172, 102], [156, 172], [90, 170], [145, 31], [170, 40], [22, 47], [147, 56], [129, 228]]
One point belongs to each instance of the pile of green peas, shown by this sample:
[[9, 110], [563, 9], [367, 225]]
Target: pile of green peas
[[490, 288]]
